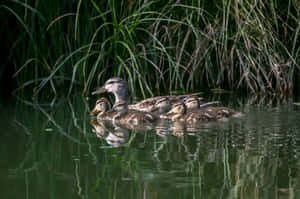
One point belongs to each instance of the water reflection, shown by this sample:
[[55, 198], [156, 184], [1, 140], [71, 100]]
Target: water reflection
[[113, 135], [62, 151]]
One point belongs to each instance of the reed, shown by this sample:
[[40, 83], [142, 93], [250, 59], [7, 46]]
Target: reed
[[158, 46]]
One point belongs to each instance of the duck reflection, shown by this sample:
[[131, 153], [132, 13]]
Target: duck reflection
[[113, 135], [178, 129]]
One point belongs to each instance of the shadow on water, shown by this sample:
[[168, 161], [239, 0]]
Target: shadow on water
[[60, 152]]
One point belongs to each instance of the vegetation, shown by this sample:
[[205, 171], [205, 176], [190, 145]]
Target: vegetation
[[251, 45]]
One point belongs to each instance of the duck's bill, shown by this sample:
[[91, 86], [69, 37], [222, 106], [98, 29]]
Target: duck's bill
[[100, 90]]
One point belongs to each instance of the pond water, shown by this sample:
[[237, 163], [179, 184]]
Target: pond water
[[59, 153]]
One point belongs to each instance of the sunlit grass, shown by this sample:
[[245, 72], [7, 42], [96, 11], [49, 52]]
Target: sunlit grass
[[157, 47]]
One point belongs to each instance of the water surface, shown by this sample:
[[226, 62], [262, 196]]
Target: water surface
[[57, 153]]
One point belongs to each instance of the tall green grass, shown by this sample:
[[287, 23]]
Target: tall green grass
[[158, 46]]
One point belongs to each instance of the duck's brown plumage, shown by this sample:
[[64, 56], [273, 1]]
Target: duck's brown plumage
[[221, 112], [102, 104], [156, 105], [120, 114], [179, 112], [149, 109]]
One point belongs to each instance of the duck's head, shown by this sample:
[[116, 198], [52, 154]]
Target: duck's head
[[192, 102], [102, 105], [114, 85]]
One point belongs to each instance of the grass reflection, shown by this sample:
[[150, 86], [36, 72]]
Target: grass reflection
[[253, 157]]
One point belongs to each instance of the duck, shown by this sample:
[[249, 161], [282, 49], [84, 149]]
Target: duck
[[117, 86], [155, 105], [102, 105], [222, 112], [120, 115], [194, 102], [180, 113]]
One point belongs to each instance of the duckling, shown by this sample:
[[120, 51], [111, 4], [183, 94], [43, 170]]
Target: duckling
[[194, 102], [101, 109], [155, 105], [222, 112], [180, 113], [102, 105], [120, 114], [162, 104], [130, 116]]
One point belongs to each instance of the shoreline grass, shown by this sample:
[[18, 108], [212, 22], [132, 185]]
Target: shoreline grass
[[249, 45]]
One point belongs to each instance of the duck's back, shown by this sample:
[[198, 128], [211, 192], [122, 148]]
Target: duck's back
[[136, 117], [220, 112], [155, 105], [198, 116]]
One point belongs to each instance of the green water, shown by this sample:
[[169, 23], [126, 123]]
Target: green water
[[55, 153]]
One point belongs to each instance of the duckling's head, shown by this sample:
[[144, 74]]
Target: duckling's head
[[115, 85], [162, 105], [177, 111], [178, 108], [192, 102], [102, 105]]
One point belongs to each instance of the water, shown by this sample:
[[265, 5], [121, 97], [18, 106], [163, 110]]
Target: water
[[57, 153]]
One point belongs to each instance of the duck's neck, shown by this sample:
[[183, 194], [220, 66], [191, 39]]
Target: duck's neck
[[120, 95], [121, 106], [120, 110]]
